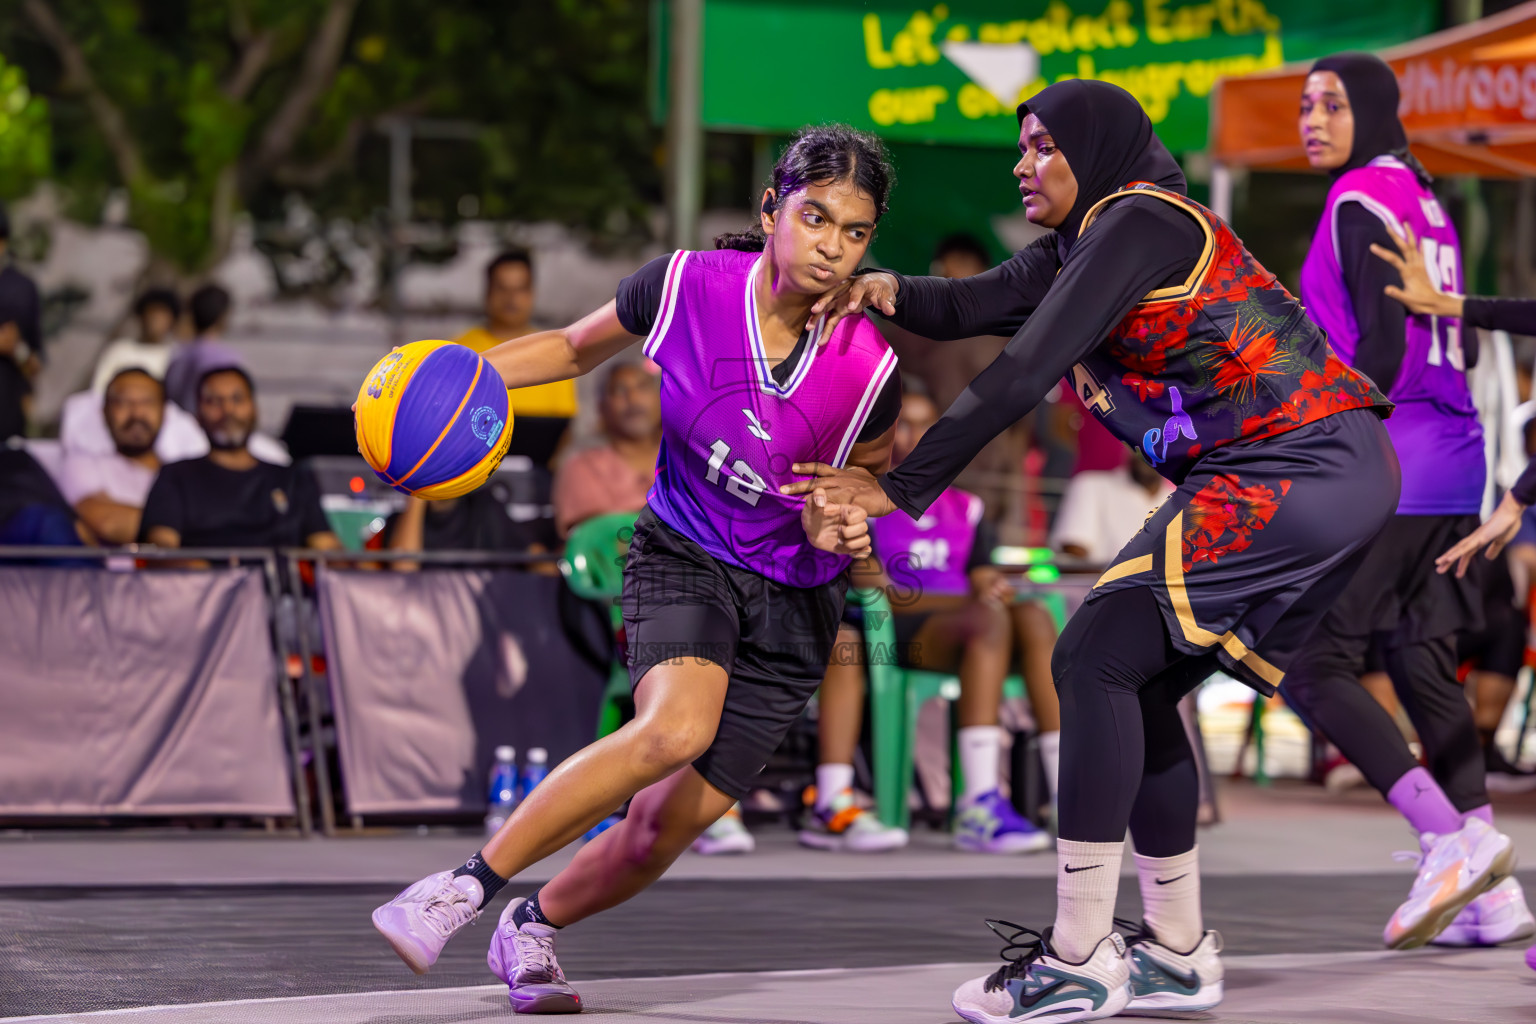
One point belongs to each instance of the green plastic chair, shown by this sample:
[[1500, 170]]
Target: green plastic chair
[[895, 695], [593, 566]]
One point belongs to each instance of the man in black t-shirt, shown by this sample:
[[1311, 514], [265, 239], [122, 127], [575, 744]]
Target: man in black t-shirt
[[229, 498]]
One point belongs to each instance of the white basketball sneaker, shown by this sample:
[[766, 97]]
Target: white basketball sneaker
[[1456, 868], [1036, 984], [1162, 979], [419, 922], [1498, 915], [524, 958]]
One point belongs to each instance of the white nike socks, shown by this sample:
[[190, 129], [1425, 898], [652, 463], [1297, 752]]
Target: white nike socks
[[1170, 898], [1087, 878], [832, 779], [980, 750], [1050, 759]]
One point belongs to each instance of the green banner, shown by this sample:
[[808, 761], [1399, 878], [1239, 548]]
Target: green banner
[[954, 72]]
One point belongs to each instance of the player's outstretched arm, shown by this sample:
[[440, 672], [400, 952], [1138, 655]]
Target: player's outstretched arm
[[1418, 292], [548, 356]]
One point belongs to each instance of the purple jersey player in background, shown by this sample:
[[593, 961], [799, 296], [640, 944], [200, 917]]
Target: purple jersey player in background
[[955, 612], [1350, 128], [730, 613]]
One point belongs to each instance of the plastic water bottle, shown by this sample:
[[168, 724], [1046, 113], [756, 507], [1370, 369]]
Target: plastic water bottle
[[502, 797], [534, 771]]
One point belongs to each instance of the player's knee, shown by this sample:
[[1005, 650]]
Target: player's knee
[[987, 623], [666, 746], [1035, 622]]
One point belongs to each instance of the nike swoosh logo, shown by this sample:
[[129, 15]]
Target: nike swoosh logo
[[1072, 870], [1190, 982], [1028, 1001], [1170, 881]]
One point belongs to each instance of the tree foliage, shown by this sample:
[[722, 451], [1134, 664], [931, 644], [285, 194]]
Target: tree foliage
[[25, 148], [202, 108]]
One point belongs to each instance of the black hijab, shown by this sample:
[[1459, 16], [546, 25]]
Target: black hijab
[[1108, 142], [1371, 87]]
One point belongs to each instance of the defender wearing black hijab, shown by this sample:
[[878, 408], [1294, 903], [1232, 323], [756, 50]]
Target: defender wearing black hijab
[[1193, 353]]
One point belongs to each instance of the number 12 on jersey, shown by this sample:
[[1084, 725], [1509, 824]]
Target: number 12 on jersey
[[744, 483], [1443, 262]]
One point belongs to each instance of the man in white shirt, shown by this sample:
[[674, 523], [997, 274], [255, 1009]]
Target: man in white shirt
[[108, 491], [1102, 509]]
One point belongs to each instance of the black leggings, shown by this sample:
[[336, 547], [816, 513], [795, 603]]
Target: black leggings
[[1323, 687], [1125, 757]]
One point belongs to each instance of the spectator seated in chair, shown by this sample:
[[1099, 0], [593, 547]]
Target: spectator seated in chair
[[209, 307], [954, 612], [229, 497], [544, 411], [32, 511], [108, 491], [479, 521], [616, 474], [1103, 509], [15, 380], [157, 311]]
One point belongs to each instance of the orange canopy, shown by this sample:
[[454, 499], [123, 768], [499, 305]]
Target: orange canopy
[[1469, 102]]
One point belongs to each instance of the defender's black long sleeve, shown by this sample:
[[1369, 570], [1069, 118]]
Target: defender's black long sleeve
[[1137, 245]]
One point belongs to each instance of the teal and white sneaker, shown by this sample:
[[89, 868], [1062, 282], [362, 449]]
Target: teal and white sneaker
[[990, 824], [1162, 979], [1036, 984]]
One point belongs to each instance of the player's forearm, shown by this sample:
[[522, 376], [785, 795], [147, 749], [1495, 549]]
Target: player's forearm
[[550, 356], [541, 358]]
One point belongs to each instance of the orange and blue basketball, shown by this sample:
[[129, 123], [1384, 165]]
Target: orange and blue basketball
[[433, 419]]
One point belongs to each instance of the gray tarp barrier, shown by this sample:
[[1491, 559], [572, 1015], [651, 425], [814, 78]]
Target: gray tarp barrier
[[147, 693], [431, 670]]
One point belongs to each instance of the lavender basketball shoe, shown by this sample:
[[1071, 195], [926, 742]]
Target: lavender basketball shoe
[[524, 958], [419, 922]]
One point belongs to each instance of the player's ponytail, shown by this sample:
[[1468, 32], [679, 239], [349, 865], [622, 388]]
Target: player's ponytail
[[822, 155]]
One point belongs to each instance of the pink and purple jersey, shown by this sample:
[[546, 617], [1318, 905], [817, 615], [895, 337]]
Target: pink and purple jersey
[[1435, 428], [731, 432], [934, 552]]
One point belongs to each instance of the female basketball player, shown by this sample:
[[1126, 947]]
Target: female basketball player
[[1193, 353], [1350, 128], [729, 614]]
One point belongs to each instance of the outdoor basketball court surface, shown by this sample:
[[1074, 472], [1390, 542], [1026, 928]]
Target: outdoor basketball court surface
[[203, 929]]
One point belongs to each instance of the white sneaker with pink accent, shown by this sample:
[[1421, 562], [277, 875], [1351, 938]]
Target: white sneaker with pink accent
[[1454, 870]]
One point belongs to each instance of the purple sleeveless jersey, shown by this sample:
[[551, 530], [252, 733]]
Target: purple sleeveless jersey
[[730, 432], [931, 553], [1435, 429]]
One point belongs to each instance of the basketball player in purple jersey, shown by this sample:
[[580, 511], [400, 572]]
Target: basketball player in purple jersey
[[1350, 128], [1189, 350], [1502, 914], [729, 613]]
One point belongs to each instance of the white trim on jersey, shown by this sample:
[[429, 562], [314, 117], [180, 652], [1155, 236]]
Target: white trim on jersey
[[668, 305], [1371, 203], [866, 405], [765, 381]]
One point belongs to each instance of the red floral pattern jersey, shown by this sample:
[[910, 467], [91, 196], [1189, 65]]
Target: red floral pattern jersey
[[1227, 356]]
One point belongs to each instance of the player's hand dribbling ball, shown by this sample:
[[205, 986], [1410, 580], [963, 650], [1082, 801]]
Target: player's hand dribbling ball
[[433, 419]]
